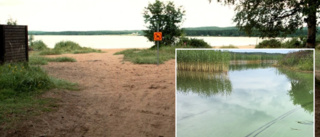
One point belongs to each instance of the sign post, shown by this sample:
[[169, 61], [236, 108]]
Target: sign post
[[157, 36]]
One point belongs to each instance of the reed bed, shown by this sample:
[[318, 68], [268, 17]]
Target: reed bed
[[203, 60], [204, 83], [255, 56]]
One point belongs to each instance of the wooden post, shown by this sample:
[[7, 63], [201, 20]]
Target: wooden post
[[158, 46]]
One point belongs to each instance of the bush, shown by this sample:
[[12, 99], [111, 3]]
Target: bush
[[301, 60], [148, 56], [71, 47], [272, 43], [23, 78], [39, 45], [294, 43], [194, 43], [67, 46]]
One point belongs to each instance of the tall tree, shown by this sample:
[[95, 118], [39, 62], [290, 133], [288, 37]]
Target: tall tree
[[167, 16], [272, 18]]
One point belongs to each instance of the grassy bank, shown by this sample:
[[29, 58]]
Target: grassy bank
[[21, 85], [203, 60], [39, 60], [255, 56], [61, 47], [301, 60], [148, 56]]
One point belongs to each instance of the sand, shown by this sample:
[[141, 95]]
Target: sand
[[116, 99]]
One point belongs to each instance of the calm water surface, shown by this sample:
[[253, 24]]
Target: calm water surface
[[125, 41], [247, 101]]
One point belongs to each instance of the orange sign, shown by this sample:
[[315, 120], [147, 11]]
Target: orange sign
[[157, 36]]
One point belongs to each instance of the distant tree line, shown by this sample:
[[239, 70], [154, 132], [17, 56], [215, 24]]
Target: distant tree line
[[235, 33], [134, 32], [213, 31]]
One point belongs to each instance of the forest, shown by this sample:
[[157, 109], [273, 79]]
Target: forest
[[196, 31]]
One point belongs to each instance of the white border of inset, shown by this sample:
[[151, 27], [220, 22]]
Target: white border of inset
[[297, 49]]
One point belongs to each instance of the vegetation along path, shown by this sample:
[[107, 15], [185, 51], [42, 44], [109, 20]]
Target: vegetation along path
[[116, 99]]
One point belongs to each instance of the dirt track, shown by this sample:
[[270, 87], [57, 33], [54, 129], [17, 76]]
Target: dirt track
[[116, 99]]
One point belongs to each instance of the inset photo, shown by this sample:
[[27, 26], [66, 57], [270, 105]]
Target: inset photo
[[245, 93]]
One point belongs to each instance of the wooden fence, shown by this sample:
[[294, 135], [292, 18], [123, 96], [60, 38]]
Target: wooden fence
[[13, 43]]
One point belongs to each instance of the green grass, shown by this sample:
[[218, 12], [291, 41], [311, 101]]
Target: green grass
[[255, 56], [64, 47], [21, 85], [300, 60], [50, 52], [61, 59], [148, 56], [39, 45], [203, 60], [39, 60]]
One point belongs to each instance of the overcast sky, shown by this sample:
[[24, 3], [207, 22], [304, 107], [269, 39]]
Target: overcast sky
[[63, 15]]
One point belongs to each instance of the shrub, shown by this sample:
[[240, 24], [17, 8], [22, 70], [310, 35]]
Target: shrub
[[294, 43], [39, 45], [272, 43], [194, 43], [72, 47], [148, 56], [67, 46], [23, 78], [301, 60]]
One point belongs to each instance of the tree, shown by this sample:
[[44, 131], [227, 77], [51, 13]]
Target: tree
[[272, 18], [167, 16], [11, 22]]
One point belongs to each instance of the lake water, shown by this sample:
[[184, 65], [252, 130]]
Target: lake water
[[125, 41], [246, 101]]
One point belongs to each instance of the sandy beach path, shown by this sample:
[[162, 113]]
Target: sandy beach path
[[116, 99]]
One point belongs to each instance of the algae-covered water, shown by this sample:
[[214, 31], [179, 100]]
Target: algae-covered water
[[246, 101]]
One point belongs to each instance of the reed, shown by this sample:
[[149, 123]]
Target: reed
[[203, 60], [255, 56], [204, 83]]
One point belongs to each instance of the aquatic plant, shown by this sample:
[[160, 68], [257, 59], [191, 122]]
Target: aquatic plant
[[203, 60], [300, 60], [255, 56], [204, 83]]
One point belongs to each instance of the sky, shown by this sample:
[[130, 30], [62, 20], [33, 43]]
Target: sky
[[82, 15]]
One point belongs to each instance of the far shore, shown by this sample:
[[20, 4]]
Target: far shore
[[215, 47]]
